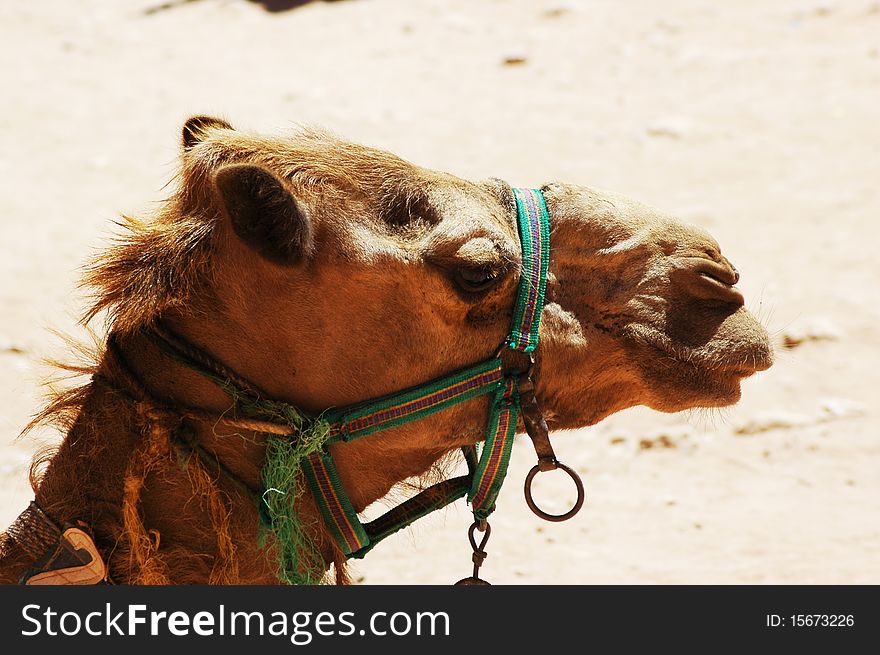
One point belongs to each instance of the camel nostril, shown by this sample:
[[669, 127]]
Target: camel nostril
[[709, 287], [711, 280], [734, 273], [722, 271]]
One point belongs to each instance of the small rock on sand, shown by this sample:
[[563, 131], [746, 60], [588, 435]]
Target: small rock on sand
[[830, 409], [773, 420], [810, 328], [515, 57], [9, 346], [557, 9], [662, 441], [670, 128], [834, 408]]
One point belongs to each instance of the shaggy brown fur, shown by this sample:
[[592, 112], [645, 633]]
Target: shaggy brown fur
[[329, 273]]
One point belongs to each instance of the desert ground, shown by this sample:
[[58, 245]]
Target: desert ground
[[756, 120]]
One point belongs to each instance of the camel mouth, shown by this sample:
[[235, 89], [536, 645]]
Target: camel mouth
[[744, 369], [714, 358], [678, 377]]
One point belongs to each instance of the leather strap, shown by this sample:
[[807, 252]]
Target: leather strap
[[64, 556], [536, 425]]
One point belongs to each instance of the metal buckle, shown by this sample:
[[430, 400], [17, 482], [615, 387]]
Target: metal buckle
[[510, 365]]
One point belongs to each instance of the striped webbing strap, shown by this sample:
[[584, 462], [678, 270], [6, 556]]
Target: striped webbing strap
[[355, 422], [534, 231], [485, 477], [339, 515], [533, 221], [495, 456], [356, 539]]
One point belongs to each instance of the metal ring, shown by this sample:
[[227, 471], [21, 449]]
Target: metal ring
[[527, 489]]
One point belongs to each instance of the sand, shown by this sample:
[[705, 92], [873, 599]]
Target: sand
[[755, 120]]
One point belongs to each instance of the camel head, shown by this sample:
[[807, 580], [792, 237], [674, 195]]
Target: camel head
[[642, 310], [322, 274], [339, 273]]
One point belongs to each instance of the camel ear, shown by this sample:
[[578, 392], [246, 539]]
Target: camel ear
[[196, 128], [264, 214]]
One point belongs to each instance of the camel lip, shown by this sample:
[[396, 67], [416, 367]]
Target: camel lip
[[741, 365], [742, 370]]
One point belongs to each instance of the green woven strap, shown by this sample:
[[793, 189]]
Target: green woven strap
[[534, 232], [356, 421], [495, 456], [396, 409], [533, 222], [357, 539], [435, 497], [335, 506]]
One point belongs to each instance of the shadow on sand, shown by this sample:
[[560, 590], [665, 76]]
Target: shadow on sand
[[277, 6], [271, 6]]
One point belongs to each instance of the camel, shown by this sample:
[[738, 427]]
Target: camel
[[328, 273]]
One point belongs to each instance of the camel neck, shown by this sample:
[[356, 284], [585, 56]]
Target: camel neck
[[111, 449], [362, 486], [209, 376]]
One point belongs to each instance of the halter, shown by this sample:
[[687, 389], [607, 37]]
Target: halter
[[512, 394], [506, 378]]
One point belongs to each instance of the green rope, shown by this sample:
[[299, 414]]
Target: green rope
[[299, 560]]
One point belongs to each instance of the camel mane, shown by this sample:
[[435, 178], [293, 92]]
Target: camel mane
[[162, 263]]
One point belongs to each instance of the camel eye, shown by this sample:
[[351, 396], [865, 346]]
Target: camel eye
[[475, 280]]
